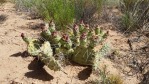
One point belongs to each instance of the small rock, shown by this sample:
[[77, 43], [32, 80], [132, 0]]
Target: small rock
[[16, 81], [127, 69], [139, 61]]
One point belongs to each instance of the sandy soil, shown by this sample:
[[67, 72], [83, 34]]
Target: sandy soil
[[16, 68]]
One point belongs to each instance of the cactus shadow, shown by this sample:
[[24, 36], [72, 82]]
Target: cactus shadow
[[85, 73], [23, 54], [37, 71]]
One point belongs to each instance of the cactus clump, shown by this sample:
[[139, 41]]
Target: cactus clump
[[78, 46]]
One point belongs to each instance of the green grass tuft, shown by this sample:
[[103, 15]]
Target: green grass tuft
[[135, 13]]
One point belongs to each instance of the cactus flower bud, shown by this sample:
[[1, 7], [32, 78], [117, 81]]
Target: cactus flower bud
[[81, 22], [43, 27], [97, 30], [52, 26], [22, 35], [55, 37], [66, 43], [103, 34], [25, 38], [54, 33], [45, 32], [106, 34], [83, 40], [76, 30], [65, 37], [91, 33], [81, 26], [94, 41], [101, 30], [86, 29], [87, 26], [83, 36]]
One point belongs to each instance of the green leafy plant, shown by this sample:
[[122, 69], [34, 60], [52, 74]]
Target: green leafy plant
[[136, 12], [63, 12], [79, 46]]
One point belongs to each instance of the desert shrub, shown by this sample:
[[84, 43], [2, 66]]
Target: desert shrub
[[85, 9], [63, 12], [106, 78], [135, 13], [115, 79]]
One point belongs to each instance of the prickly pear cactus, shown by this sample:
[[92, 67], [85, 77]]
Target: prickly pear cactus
[[85, 53], [46, 56], [88, 55], [33, 45], [79, 44], [44, 52]]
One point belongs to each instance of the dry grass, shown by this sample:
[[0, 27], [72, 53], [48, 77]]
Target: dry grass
[[136, 12], [115, 79]]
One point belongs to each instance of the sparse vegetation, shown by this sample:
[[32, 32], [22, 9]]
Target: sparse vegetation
[[86, 9], [115, 79], [136, 13], [106, 78], [112, 2], [70, 37], [63, 12]]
